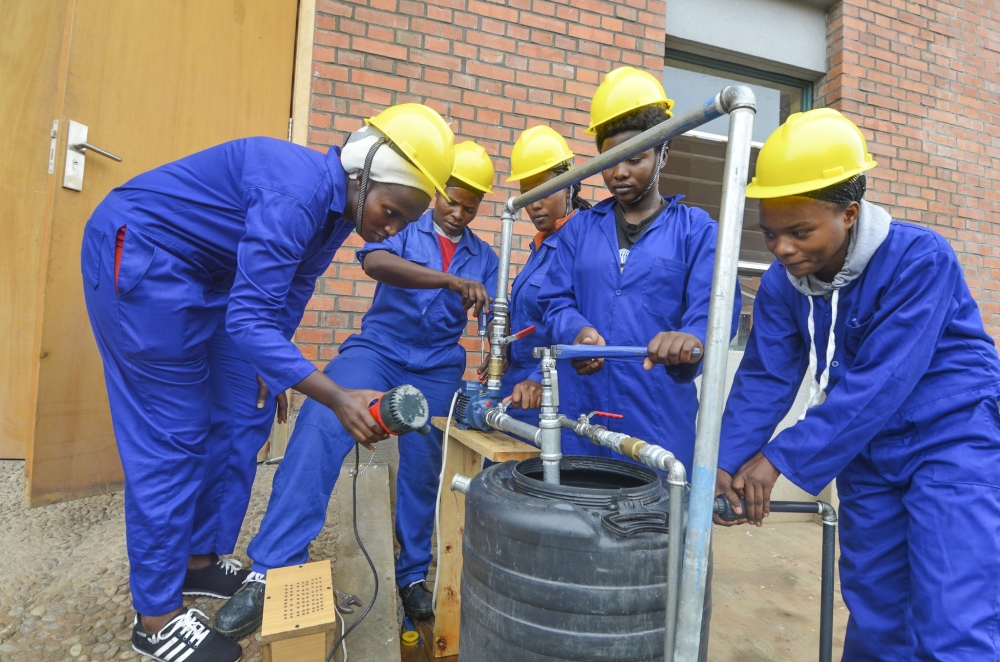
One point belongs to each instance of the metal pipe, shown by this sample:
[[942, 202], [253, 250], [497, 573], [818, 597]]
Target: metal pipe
[[739, 101], [549, 421], [499, 419], [460, 483], [677, 480], [641, 451], [654, 137], [829, 516], [500, 307], [659, 134]]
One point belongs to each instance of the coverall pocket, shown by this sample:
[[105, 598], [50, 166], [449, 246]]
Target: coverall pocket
[[854, 334], [897, 450], [663, 293], [90, 256], [161, 306]]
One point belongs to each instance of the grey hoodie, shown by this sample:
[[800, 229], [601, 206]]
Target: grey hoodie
[[868, 233]]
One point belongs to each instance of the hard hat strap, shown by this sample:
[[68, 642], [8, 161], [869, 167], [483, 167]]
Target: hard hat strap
[[656, 173], [363, 181]]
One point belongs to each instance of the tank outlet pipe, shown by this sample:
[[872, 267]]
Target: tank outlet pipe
[[828, 514], [550, 423], [677, 482], [739, 102], [498, 419], [460, 483], [679, 124]]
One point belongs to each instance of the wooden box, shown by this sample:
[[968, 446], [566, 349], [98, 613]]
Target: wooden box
[[300, 615]]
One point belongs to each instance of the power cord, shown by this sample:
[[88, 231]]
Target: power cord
[[357, 536]]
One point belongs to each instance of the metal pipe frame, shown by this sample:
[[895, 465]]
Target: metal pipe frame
[[739, 102], [659, 134], [677, 482]]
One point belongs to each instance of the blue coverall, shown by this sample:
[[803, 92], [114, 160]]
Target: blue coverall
[[911, 431], [525, 311], [221, 253], [408, 336], [665, 286]]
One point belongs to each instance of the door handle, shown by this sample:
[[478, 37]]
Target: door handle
[[84, 146], [76, 155]]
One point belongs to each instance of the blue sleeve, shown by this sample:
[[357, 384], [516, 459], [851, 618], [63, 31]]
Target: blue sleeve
[[698, 295], [278, 231], [766, 382], [896, 350], [395, 245], [556, 296]]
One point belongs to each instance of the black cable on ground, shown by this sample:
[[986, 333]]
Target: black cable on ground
[[357, 536]]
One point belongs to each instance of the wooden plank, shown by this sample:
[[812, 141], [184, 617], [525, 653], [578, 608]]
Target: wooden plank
[[494, 446], [458, 459], [302, 77], [426, 630], [298, 601]]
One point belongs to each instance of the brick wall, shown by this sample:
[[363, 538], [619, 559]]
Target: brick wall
[[492, 68], [922, 80]]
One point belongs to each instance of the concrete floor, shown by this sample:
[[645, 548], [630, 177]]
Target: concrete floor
[[64, 590]]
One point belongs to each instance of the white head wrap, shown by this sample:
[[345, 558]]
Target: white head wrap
[[387, 167]]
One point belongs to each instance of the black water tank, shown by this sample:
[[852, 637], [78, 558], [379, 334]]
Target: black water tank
[[575, 571]]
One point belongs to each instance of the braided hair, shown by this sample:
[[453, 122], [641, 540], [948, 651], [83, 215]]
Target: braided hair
[[842, 193], [575, 201]]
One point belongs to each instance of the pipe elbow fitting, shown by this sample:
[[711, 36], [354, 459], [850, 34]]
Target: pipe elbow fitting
[[827, 512]]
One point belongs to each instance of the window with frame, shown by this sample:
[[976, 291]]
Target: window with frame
[[695, 163]]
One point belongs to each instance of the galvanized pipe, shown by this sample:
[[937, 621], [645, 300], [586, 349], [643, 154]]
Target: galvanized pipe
[[654, 137], [677, 480], [460, 483], [500, 305], [498, 419], [659, 134], [549, 421], [739, 102]]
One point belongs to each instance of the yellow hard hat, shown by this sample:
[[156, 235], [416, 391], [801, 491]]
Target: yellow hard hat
[[473, 166], [423, 136], [537, 149], [810, 151], [625, 89]]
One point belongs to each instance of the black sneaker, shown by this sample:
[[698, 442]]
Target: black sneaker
[[418, 601], [220, 580], [243, 612], [185, 639]]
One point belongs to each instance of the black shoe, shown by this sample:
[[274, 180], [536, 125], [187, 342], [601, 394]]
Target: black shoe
[[418, 601], [185, 638], [243, 612], [220, 580]]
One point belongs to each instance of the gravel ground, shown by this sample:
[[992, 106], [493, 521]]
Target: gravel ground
[[64, 593]]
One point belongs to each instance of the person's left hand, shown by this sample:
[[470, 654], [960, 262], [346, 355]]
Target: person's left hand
[[526, 395], [672, 348], [281, 398], [754, 482]]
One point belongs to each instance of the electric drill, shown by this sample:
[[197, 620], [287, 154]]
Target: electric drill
[[401, 410]]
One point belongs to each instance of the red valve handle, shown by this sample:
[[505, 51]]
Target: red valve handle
[[523, 333], [604, 414]]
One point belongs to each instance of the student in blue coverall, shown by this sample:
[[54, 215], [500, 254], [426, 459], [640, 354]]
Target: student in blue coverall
[[196, 275], [429, 276], [635, 270], [903, 400], [538, 155]]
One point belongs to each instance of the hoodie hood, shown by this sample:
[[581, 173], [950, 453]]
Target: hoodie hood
[[868, 233]]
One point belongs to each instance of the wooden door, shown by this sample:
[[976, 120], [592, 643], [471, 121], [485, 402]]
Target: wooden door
[[154, 81], [30, 32]]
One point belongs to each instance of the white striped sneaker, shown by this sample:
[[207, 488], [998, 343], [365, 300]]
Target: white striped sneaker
[[185, 639]]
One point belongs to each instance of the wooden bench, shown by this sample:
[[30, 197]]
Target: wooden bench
[[464, 453]]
